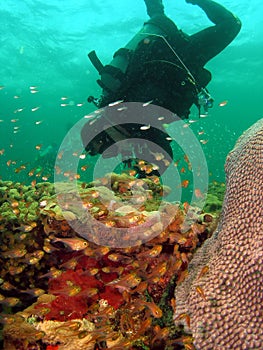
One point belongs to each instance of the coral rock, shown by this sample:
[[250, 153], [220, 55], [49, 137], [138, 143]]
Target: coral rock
[[223, 294]]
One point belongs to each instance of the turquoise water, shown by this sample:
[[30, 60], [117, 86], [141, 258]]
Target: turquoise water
[[44, 45]]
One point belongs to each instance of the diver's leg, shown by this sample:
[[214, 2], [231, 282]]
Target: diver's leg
[[154, 7], [214, 11], [210, 41]]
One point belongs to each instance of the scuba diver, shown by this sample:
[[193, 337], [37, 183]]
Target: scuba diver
[[45, 160], [163, 65]]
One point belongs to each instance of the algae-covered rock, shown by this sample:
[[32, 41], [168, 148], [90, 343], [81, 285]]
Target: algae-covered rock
[[213, 204], [214, 199], [19, 204]]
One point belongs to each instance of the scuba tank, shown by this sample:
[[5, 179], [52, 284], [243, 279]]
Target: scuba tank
[[114, 74], [150, 57]]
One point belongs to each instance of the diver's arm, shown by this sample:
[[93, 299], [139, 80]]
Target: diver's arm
[[154, 7], [214, 39]]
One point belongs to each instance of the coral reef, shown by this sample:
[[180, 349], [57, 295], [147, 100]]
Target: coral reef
[[222, 298], [214, 198], [87, 295]]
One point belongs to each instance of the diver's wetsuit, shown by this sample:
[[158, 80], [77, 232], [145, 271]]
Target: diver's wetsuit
[[207, 43], [164, 65], [194, 51], [150, 72]]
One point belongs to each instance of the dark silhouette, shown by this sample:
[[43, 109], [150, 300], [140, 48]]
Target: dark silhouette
[[161, 64]]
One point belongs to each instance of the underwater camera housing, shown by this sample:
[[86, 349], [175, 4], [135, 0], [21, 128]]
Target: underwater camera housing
[[94, 100], [205, 100]]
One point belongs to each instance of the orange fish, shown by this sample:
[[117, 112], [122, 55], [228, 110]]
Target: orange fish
[[34, 292], [184, 258], [186, 158], [186, 341], [111, 269], [58, 170], [183, 170], [60, 155], [184, 316], [177, 265], [71, 290], [10, 301], [144, 326], [120, 258], [53, 273], [141, 288], [185, 183], [34, 258], [73, 243], [200, 291], [158, 156], [178, 238], [126, 283], [198, 193], [18, 252], [204, 270], [223, 103], [173, 304], [7, 286], [14, 204], [70, 264], [84, 167], [154, 309], [166, 163], [159, 270], [162, 333], [16, 270], [48, 247], [186, 206], [188, 346], [27, 228], [31, 172], [101, 250], [152, 253], [182, 277], [22, 167]]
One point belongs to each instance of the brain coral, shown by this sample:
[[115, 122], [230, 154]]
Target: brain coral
[[223, 294]]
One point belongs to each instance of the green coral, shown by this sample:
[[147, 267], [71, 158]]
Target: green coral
[[19, 204]]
